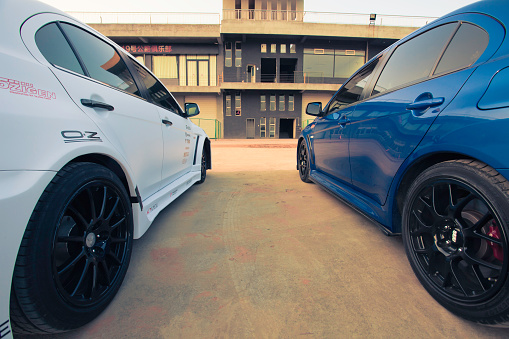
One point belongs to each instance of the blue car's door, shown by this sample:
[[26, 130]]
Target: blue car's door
[[419, 80], [329, 137]]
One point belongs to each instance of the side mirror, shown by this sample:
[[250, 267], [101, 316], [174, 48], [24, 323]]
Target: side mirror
[[192, 109], [314, 108]]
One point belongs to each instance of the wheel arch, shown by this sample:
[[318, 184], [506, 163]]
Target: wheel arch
[[410, 174], [109, 163]]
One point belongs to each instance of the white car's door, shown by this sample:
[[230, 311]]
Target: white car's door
[[97, 79], [179, 140]]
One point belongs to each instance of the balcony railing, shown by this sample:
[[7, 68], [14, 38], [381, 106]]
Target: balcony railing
[[327, 18], [147, 18], [297, 77]]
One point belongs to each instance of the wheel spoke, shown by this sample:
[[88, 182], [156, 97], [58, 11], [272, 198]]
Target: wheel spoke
[[114, 257], [82, 278], [483, 282], [115, 240], [103, 205], [452, 265], [423, 228], [92, 204], [113, 209], [114, 226], [475, 261], [80, 217], [72, 263], [106, 272]]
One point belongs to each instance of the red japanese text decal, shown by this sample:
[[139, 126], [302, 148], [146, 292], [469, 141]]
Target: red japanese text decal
[[25, 88]]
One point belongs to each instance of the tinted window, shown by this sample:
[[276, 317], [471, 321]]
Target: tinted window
[[101, 61], [56, 50], [158, 93], [467, 46], [415, 59], [352, 90]]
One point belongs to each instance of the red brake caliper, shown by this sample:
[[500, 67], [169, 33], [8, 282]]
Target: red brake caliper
[[498, 252]]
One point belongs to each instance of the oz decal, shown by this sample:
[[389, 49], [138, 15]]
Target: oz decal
[[78, 136], [25, 88]]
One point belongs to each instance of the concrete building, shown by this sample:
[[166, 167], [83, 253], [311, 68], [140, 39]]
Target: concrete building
[[254, 71]]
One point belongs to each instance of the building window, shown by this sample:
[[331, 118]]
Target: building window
[[165, 67], [228, 54], [293, 48], [237, 105], [291, 103], [283, 48], [272, 102], [272, 127], [238, 54], [264, 48], [263, 124], [228, 105], [281, 102], [273, 48], [263, 103], [141, 59]]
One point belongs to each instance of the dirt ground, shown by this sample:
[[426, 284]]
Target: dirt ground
[[256, 253]]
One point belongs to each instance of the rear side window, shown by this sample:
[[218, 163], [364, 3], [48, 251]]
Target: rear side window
[[56, 50], [158, 93], [101, 60], [465, 48], [414, 60]]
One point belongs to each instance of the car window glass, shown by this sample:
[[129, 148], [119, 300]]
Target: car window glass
[[158, 93], [414, 59], [53, 45], [465, 48], [352, 90], [101, 60]]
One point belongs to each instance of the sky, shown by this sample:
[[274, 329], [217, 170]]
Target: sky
[[431, 8]]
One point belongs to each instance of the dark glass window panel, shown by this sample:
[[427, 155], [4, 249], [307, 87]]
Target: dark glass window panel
[[352, 90], [53, 45], [101, 60], [414, 60], [465, 48], [157, 92]]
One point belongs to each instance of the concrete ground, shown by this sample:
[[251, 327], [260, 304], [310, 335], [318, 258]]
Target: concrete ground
[[256, 253]]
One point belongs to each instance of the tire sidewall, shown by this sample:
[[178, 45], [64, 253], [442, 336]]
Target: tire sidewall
[[492, 310], [57, 311]]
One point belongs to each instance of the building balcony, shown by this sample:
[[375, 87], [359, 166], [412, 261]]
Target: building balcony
[[313, 81]]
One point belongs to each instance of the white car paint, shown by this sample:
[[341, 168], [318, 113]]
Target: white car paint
[[41, 114]]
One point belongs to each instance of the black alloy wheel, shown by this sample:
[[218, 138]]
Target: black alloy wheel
[[303, 162], [456, 238], [203, 167], [75, 251]]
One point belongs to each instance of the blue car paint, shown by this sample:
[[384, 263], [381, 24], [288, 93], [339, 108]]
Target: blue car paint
[[455, 129]]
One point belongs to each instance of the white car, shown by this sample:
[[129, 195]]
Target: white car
[[92, 148]]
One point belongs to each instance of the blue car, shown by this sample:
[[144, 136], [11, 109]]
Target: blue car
[[418, 141]]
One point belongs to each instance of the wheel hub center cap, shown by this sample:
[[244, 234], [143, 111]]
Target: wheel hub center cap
[[448, 239], [90, 240]]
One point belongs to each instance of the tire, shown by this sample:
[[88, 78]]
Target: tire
[[455, 231], [303, 162], [203, 167], [75, 251]]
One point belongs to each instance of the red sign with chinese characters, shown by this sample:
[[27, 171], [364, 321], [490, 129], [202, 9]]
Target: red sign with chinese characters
[[147, 48]]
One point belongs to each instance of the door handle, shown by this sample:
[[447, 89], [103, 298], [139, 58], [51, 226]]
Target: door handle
[[424, 104], [167, 122], [96, 104]]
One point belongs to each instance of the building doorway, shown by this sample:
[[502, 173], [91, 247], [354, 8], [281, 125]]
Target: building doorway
[[268, 71], [251, 73], [286, 128], [250, 128], [287, 70]]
